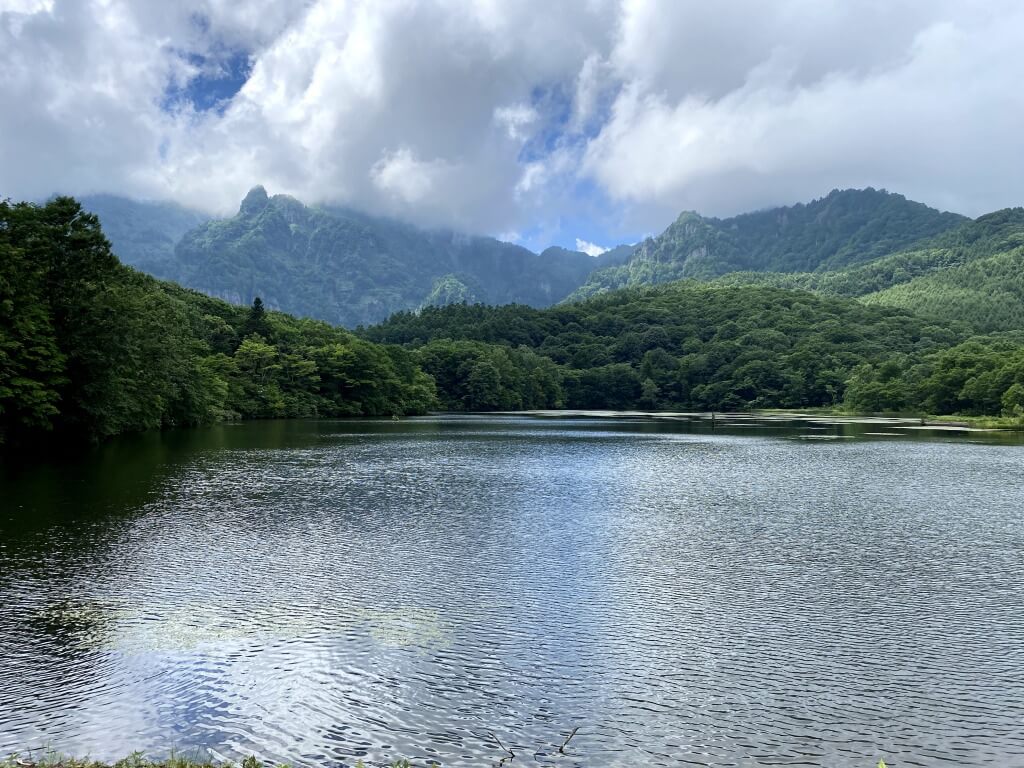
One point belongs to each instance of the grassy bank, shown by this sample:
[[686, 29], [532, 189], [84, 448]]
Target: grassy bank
[[980, 422], [973, 422]]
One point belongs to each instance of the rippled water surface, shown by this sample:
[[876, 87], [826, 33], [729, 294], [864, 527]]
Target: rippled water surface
[[323, 591]]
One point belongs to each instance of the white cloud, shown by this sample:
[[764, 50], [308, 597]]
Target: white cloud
[[589, 248], [593, 83], [514, 116], [400, 173], [516, 119], [26, 6], [796, 123]]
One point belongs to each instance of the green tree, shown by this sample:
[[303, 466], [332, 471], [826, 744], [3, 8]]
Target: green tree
[[31, 362], [256, 323], [649, 392]]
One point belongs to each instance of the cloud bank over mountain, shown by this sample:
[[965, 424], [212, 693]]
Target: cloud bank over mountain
[[584, 118]]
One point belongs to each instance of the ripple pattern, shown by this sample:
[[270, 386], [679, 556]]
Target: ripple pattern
[[366, 591]]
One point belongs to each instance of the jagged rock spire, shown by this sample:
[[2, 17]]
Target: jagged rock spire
[[255, 201]]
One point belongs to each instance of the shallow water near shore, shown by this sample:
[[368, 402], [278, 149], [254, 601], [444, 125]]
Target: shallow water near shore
[[770, 591]]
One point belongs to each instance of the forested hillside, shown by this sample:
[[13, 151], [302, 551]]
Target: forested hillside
[[844, 228], [90, 348], [704, 347], [972, 274], [988, 293]]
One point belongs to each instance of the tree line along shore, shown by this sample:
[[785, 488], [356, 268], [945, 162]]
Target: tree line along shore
[[91, 348]]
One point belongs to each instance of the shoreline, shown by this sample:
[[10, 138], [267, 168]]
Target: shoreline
[[810, 415]]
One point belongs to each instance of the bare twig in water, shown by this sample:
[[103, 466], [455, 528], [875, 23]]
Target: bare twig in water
[[561, 749], [511, 755]]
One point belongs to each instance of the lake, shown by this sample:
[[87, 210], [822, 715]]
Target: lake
[[768, 592]]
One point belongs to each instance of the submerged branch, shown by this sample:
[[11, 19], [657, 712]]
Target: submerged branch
[[561, 749], [511, 755]]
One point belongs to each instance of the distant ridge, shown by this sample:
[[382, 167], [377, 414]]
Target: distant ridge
[[843, 228], [352, 268]]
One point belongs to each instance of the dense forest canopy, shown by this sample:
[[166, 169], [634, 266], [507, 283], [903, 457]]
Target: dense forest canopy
[[973, 273], [704, 347], [90, 348]]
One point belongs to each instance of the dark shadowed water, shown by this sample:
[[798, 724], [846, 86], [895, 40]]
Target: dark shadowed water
[[322, 591]]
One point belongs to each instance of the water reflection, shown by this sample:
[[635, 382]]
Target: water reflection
[[323, 591]]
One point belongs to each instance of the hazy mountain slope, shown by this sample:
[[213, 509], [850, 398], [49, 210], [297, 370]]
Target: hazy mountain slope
[[842, 229], [143, 233], [351, 268]]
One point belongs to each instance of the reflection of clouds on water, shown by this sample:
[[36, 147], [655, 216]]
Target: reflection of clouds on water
[[118, 626]]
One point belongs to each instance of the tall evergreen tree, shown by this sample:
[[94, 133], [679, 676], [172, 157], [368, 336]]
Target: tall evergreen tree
[[256, 322]]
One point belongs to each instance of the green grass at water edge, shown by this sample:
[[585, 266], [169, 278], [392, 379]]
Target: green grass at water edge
[[1012, 423], [1015, 423]]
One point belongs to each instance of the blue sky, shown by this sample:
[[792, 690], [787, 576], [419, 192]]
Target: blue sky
[[220, 76], [547, 123]]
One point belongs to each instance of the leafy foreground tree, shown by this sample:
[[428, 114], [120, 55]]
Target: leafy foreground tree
[[90, 348]]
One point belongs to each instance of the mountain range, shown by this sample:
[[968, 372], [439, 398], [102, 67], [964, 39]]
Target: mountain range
[[351, 268], [333, 263]]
